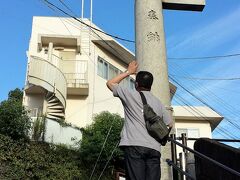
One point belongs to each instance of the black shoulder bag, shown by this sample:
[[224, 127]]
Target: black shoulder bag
[[154, 123]]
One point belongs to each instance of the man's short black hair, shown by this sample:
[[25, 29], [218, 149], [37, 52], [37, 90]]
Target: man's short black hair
[[144, 79]]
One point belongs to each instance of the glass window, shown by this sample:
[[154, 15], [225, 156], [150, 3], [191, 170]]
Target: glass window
[[102, 68], [190, 132], [180, 131], [193, 133], [105, 70], [113, 72], [108, 71]]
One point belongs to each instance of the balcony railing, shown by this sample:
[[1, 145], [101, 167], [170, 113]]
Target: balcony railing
[[45, 74], [75, 79], [75, 71]]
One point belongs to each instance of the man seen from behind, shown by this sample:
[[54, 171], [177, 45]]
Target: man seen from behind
[[141, 151]]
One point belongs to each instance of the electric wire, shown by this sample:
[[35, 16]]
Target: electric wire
[[110, 157], [66, 6], [202, 116], [111, 47], [198, 58], [207, 79], [225, 106], [204, 57], [100, 101], [205, 103], [212, 94], [127, 40], [95, 165], [107, 34], [184, 103], [93, 28], [234, 124]]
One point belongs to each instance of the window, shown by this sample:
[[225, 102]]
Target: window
[[113, 71], [190, 132], [108, 71], [102, 68]]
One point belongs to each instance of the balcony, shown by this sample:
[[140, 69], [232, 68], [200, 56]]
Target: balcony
[[75, 72], [77, 83]]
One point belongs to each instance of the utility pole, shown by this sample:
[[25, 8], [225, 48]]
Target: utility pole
[[151, 51]]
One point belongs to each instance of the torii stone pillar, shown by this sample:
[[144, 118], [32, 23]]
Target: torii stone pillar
[[151, 51]]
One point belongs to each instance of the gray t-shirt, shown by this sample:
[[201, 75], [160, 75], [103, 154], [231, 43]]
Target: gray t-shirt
[[134, 132]]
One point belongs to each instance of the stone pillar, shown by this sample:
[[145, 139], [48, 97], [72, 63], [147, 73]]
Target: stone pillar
[[151, 56]]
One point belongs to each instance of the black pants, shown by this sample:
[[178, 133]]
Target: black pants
[[141, 163]]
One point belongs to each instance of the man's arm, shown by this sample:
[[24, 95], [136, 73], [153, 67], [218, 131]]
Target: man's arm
[[132, 69], [167, 115]]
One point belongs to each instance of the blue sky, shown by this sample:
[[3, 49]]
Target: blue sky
[[215, 31]]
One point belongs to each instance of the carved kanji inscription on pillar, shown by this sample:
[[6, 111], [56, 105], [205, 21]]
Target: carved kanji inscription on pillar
[[152, 15], [153, 36]]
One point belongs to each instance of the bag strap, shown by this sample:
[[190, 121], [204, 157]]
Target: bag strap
[[145, 102], [143, 98]]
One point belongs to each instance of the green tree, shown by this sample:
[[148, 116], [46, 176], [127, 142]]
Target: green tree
[[13, 117], [15, 94], [104, 125]]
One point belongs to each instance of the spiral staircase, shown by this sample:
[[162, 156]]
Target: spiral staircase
[[45, 78], [55, 110]]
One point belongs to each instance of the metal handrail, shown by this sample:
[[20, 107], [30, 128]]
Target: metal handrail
[[170, 163], [205, 157], [222, 140]]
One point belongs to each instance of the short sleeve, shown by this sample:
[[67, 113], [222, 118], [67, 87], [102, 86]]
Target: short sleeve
[[120, 91]]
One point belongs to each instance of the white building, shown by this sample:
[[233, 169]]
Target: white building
[[68, 65]]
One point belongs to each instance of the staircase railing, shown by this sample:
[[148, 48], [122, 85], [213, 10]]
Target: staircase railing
[[47, 75], [177, 169]]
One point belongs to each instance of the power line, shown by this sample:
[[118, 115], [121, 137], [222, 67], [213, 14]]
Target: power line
[[110, 126], [101, 38], [127, 40], [101, 150], [194, 109], [197, 111], [207, 79], [107, 34], [205, 57], [93, 28], [66, 6], [110, 157], [202, 116], [236, 125], [210, 94]]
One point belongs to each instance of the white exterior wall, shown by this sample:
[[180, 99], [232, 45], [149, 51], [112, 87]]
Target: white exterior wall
[[80, 109], [203, 127], [57, 134], [101, 98]]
